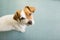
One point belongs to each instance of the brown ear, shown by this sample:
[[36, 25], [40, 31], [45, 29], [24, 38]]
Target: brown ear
[[30, 8], [17, 15]]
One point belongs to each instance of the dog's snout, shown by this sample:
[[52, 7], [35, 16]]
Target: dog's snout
[[22, 18], [29, 22]]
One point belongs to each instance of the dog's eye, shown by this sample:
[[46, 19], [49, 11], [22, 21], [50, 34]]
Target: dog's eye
[[30, 14]]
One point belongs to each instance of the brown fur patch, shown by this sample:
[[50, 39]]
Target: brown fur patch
[[30, 8], [17, 15], [28, 11]]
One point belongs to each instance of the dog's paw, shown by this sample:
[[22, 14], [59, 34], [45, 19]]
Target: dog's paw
[[22, 30]]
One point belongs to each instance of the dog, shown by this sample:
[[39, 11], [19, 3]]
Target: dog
[[18, 21]]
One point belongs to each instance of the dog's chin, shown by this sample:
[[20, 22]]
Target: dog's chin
[[28, 24]]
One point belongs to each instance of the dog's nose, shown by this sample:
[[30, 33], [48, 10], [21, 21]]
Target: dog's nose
[[29, 22], [22, 18]]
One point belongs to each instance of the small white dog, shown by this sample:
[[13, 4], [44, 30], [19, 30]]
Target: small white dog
[[17, 21]]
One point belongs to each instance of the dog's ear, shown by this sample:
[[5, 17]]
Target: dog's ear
[[30, 8], [17, 15]]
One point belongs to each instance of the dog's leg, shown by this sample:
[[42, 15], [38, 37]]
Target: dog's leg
[[20, 28]]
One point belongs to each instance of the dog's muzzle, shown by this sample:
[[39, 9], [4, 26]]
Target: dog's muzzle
[[28, 22]]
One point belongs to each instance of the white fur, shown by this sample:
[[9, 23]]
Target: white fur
[[23, 14], [7, 23]]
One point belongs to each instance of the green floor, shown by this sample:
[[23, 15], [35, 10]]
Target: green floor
[[47, 20]]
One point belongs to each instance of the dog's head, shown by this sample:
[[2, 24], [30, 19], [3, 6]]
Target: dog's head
[[25, 16]]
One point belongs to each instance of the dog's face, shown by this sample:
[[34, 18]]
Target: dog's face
[[25, 16]]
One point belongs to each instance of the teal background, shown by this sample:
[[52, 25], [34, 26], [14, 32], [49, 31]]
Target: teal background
[[47, 20]]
